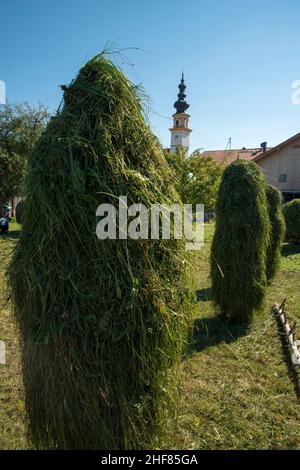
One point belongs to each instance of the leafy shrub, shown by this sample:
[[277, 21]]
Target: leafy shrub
[[291, 212]]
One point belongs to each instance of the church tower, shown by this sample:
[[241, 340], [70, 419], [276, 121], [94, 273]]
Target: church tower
[[180, 132]]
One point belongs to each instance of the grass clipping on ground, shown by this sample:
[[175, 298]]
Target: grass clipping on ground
[[101, 322]]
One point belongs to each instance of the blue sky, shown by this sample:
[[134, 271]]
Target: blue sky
[[240, 58]]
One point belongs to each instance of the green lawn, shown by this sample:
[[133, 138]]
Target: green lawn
[[12, 420], [237, 392]]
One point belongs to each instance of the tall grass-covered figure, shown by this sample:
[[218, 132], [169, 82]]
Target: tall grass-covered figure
[[291, 212], [277, 231], [100, 320], [238, 254]]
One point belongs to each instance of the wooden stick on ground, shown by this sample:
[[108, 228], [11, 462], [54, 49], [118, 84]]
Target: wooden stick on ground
[[278, 311]]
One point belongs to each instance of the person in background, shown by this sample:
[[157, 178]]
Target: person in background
[[6, 211], [4, 225]]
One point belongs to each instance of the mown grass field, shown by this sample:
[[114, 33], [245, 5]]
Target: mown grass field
[[237, 391], [12, 417]]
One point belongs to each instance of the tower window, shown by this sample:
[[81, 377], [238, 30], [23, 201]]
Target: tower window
[[177, 123], [176, 136]]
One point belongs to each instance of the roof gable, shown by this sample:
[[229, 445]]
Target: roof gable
[[278, 147]]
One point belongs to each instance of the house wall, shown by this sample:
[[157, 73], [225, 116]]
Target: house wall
[[284, 161]]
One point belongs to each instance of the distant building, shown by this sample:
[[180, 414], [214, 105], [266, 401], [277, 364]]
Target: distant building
[[281, 165], [180, 132]]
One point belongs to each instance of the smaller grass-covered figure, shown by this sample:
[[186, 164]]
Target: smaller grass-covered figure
[[239, 248], [277, 231], [291, 212]]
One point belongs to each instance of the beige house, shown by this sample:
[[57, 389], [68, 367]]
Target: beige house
[[280, 164]]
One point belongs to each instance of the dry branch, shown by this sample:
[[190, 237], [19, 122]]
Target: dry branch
[[278, 311]]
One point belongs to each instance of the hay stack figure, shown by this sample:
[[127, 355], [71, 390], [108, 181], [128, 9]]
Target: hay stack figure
[[238, 254], [100, 321], [277, 231], [291, 212]]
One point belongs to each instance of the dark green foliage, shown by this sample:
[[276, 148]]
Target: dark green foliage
[[291, 212], [277, 231], [19, 211], [238, 256], [20, 128], [12, 170], [203, 181], [102, 322], [196, 178], [178, 164]]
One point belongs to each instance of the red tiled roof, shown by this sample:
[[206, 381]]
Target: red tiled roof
[[229, 156]]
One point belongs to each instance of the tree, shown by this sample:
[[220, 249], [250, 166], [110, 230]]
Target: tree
[[197, 178], [20, 128], [178, 163], [12, 171], [203, 176]]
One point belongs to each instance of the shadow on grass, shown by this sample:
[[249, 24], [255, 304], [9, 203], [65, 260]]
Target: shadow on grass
[[211, 331], [11, 234], [289, 249], [204, 295]]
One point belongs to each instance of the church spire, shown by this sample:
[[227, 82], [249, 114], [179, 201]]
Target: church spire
[[180, 130], [181, 105]]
